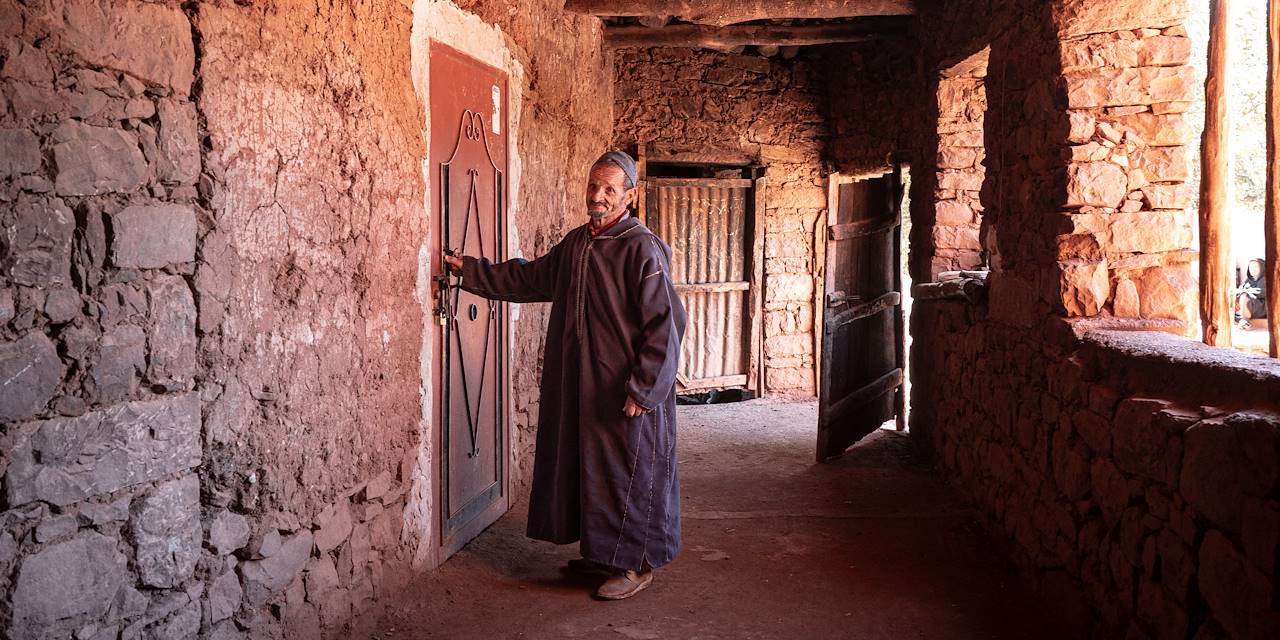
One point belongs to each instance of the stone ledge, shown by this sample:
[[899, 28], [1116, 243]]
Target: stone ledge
[[1173, 364], [970, 290]]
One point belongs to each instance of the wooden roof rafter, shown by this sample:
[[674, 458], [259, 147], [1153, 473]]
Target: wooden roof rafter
[[727, 12], [696, 35]]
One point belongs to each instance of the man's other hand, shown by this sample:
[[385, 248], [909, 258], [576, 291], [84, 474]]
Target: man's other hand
[[632, 409], [455, 264]]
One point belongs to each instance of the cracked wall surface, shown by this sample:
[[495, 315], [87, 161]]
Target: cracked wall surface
[[309, 320]]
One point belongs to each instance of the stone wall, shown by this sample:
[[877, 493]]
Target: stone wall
[[782, 113], [210, 333], [960, 172], [100, 519], [871, 105], [950, 225], [1127, 237], [1134, 474]]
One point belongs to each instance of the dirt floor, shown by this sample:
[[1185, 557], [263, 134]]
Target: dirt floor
[[870, 546]]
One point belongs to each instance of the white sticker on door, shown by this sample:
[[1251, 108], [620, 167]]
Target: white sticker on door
[[497, 110]]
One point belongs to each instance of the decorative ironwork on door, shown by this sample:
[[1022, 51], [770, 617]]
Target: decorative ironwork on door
[[471, 127]]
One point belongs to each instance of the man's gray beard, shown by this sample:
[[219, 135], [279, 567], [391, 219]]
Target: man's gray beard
[[598, 215]]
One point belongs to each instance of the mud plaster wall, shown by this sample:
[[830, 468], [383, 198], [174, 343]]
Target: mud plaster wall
[[209, 334], [705, 106], [1135, 474], [311, 430]]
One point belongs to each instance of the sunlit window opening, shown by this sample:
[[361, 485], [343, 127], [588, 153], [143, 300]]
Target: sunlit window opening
[[1246, 96]]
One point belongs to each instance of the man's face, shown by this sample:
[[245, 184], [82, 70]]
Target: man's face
[[607, 192]]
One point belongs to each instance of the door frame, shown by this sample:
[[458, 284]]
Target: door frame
[[754, 253], [442, 546], [834, 180]]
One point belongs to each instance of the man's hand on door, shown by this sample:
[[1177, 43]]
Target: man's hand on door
[[455, 264], [631, 409]]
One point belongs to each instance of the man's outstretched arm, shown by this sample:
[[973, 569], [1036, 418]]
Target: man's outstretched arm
[[516, 280]]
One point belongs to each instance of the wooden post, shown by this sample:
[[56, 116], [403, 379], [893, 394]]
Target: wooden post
[[1216, 282], [755, 361], [1272, 224], [642, 184]]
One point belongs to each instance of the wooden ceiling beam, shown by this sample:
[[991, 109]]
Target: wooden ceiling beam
[[726, 12], [693, 35]]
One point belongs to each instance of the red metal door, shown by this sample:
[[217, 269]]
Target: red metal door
[[863, 347], [468, 160]]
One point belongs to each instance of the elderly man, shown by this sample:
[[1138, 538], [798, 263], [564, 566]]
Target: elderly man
[[605, 468]]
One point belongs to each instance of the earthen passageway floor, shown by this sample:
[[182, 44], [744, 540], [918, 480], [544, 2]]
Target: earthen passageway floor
[[870, 546]]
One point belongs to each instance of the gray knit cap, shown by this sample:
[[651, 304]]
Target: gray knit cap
[[623, 161]]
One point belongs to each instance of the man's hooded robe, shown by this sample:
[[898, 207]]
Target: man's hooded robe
[[614, 332]]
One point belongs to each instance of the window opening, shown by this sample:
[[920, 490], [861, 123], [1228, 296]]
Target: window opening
[[1245, 83]]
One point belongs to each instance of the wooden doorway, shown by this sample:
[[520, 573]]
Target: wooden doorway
[[714, 227], [468, 164], [863, 357]]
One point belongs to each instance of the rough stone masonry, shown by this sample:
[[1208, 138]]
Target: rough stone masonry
[[741, 108], [1134, 474], [101, 529]]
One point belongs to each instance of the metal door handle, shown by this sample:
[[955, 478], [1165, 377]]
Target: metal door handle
[[837, 298], [442, 297]]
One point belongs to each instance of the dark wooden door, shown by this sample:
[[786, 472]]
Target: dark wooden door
[[710, 224], [468, 157], [863, 348]]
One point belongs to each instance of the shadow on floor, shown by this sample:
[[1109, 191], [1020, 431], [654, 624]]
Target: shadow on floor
[[869, 546]]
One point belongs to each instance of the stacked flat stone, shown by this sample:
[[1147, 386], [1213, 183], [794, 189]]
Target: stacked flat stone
[[1126, 249], [962, 107]]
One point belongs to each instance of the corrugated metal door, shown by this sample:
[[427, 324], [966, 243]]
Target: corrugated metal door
[[710, 225]]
